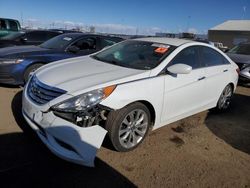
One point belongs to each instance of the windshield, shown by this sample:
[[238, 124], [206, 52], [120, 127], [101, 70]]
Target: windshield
[[135, 54], [241, 49], [12, 36], [58, 42]]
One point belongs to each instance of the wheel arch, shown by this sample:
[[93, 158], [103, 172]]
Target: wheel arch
[[232, 85], [151, 110], [31, 64]]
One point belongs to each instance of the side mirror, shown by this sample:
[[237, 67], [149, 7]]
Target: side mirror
[[179, 69], [73, 49]]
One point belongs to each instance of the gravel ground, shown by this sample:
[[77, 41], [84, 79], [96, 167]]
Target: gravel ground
[[205, 150]]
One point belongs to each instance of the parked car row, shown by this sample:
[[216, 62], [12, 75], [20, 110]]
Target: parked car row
[[16, 63], [86, 90], [32, 37]]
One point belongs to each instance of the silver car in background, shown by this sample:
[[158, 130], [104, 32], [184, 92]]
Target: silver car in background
[[240, 54]]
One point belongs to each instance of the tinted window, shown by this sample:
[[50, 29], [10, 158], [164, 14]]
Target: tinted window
[[39, 35], [3, 25], [107, 42], [13, 25], [188, 56], [51, 35], [241, 49], [36, 36], [210, 57], [135, 54], [86, 43]]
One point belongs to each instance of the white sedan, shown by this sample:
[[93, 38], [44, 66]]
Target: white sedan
[[124, 91]]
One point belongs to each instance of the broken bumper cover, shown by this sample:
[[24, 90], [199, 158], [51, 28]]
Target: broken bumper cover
[[65, 139]]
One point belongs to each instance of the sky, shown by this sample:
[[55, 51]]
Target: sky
[[128, 16]]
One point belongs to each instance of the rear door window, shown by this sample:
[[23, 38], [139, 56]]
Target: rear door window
[[86, 43], [3, 25], [210, 57]]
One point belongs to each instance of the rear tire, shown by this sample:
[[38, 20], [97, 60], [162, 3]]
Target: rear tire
[[30, 69], [225, 99], [128, 126]]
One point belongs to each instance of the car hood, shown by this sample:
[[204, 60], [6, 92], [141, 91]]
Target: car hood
[[82, 74], [20, 51], [239, 58]]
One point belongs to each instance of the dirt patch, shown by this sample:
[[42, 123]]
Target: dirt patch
[[205, 150]]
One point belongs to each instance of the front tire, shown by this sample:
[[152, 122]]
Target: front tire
[[128, 126]]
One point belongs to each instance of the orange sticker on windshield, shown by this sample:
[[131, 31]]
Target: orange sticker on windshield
[[161, 50]]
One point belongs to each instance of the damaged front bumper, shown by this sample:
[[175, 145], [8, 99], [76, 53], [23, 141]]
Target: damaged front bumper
[[65, 139]]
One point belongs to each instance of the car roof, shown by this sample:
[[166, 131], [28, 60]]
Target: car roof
[[77, 35], [10, 19], [23, 31], [65, 31], [165, 40]]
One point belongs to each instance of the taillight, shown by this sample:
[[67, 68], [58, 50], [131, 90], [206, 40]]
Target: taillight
[[238, 70]]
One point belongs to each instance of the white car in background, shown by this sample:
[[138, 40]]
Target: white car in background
[[123, 91]]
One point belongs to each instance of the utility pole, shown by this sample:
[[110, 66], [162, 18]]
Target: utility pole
[[188, 22], [244, 12], [21, 19]]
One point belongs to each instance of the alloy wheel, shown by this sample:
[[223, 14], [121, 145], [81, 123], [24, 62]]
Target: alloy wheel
[[225, 98], [133, 128]]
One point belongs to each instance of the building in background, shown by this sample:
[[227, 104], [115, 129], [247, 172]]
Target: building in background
[[230, 33]]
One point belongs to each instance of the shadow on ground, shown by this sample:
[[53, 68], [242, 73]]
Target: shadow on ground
[[26, 162], [244, 84], [233, 126], [8, 86]]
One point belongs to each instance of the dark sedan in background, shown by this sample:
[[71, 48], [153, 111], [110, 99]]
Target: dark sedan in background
[[240, 54], [17, 62], [32, 37]]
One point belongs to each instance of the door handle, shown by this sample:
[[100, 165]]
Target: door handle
[[202, 78], [225, 70]]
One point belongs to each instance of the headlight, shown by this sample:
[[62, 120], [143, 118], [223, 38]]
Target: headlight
[[84, 101], [10, 61]]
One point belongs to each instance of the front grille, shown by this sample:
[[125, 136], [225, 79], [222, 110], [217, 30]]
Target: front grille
[[41, 93], [5, 75]]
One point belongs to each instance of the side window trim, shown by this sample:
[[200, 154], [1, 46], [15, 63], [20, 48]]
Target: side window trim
[[202, 65]]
